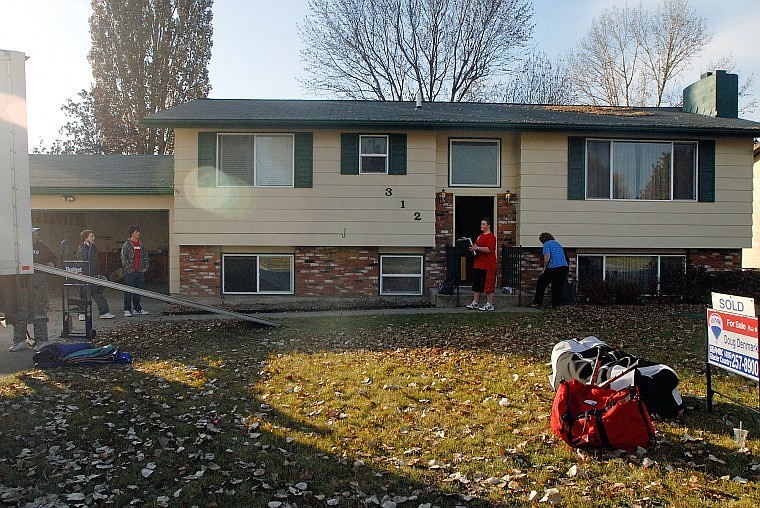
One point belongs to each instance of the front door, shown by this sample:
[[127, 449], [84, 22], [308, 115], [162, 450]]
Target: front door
[[468, 212]]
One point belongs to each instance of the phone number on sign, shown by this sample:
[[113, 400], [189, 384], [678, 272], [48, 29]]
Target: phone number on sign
[[734, 360]]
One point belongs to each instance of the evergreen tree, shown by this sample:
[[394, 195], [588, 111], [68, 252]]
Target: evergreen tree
[[146, 56]]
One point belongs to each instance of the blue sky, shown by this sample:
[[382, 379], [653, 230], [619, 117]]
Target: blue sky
[[256, 46]]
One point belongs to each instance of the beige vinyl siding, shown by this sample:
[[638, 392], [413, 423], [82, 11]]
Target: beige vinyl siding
[[751, 256], [543, 204], [339, 210]]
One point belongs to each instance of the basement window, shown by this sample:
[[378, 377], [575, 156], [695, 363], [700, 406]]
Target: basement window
[[400, 275], [246, 274], [656, 274]]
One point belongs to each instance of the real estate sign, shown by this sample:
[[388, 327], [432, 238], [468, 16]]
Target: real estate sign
[[732, 342], [734, 304]]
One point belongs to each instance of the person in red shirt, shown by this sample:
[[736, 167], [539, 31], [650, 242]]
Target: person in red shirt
[[134, 259], [484, 267]]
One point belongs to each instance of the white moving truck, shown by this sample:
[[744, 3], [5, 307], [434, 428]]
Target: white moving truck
[[16, 260]]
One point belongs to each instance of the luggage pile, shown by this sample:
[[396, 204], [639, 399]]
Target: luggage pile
[[605, 396]]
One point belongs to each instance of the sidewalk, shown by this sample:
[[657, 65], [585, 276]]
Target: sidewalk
[[11, 363]]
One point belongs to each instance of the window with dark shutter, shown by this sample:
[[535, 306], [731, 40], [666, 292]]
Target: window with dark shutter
[[207, 159], [576, 168], [304, 160], [372, 154], [707, 171]]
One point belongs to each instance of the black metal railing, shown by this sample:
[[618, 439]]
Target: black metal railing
[[511, 269]]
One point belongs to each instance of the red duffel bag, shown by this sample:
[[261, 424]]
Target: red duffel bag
[[591, 417]]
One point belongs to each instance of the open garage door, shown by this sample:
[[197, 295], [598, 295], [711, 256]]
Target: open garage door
[[110, 227]]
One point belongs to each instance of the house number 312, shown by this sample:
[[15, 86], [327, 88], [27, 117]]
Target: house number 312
[[389, 192]]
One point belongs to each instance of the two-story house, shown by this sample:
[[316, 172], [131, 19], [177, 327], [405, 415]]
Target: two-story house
[[359, 199]]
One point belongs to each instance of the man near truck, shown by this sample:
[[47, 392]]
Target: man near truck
[[44, 255]]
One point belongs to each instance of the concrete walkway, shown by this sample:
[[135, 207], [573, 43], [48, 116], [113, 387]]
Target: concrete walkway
[[12, 363]]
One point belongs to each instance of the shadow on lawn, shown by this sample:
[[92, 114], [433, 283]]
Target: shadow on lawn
[[183, 427]]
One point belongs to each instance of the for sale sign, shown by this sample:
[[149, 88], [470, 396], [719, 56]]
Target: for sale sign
[[732, 343]]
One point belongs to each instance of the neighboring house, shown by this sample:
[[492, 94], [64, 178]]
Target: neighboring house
[[105, 193], [359, 199], [751, 256]]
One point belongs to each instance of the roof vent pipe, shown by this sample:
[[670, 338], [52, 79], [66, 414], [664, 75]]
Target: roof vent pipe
[[419, 100]]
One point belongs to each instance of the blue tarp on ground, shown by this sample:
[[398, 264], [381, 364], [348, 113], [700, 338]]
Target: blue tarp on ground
[[58, 355]]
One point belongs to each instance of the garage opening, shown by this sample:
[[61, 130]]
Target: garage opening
[[59, 228]]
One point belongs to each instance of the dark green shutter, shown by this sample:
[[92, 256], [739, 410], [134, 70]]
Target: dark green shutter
[[397, 154], [304, 163], [207, 159], [706, 170], [349, 154], [576, 168]]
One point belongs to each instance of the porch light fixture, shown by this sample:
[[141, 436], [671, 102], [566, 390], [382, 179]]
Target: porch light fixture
[[509, 196], [442, 196]]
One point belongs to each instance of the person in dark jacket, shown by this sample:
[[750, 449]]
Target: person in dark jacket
[[134, 259], [88, 252], [42, 254]]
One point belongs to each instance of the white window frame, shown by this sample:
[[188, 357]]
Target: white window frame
[[484, 141], [641, 255], [385, 156], [420, 276], [258, 256], [255, 135], [610, 194]]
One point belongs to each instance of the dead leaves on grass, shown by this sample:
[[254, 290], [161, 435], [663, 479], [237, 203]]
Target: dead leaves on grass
[[205, 409]]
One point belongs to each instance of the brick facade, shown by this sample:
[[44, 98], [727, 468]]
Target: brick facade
[[353, 272], [326, 272], [330, 272], [435, 266], [200, 270], [715, 260]]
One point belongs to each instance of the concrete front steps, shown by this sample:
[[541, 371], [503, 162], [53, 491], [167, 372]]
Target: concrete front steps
[[500, 299]]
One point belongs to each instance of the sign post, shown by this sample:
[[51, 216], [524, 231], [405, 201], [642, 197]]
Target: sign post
[[732, 338]]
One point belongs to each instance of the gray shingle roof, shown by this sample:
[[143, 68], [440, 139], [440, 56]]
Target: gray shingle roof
[[221, 113], [101, 174]]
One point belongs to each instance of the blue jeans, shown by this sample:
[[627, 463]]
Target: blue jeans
[[132, 300]]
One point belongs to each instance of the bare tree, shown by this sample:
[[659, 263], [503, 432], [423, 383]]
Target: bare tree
[[393, 49], [669, 37], [607, 66], [630, 56], [540, 81]]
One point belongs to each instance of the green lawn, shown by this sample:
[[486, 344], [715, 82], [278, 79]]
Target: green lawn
[[407, 410]]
